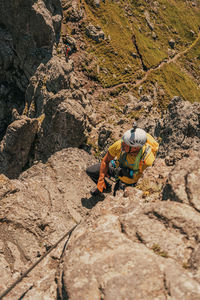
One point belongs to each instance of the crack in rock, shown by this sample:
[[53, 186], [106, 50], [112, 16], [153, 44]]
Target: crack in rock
[[139, 54], [166, 222], [188, 193]]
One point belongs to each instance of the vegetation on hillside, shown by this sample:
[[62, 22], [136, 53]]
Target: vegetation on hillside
[[138, 35]]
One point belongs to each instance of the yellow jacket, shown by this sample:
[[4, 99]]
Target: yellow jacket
[[147, 158]]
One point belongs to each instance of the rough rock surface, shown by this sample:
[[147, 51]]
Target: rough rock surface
[[29, 36], [55, 95], [95, 33], [36, 211], [16, 145], [141, 244], [183, 183], [136, 245], [33, 54], [10, 97], [131, 244], [131, 249], [179, 130]]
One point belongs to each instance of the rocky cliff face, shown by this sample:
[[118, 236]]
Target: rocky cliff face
[[141, 244]]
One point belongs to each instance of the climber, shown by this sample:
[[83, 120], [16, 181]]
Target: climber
[[125, 161]]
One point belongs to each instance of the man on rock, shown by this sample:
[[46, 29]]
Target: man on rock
[[125, 160]]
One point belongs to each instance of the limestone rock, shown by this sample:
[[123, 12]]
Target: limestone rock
[[32, 34], [131, 104], [74, 12], [148, 20], [47, 80], [95, 33], [106, 263], [125, 239], [179, 130], [36, 211], [64, 125], [183, 182], [16, 145]]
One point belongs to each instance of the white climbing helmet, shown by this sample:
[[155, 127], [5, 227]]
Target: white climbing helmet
[[135, 137]]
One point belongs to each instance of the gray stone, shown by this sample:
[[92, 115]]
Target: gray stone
[[63, 126], [95, 33], [110, 264], [172, 43], [104, 134], [36, 211], [16, 145], [74, 12], [148, 20], [179, 129], [183, 181], [32, 33]]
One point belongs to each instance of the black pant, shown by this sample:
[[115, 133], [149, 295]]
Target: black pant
[[93, 171]]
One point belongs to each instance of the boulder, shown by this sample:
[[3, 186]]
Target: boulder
[[73, 12], [183, 181], [36, 211], [15, 146], [64, 125], [95, 33], [103, 260], [130, 247], [32, 32], [179, 130]]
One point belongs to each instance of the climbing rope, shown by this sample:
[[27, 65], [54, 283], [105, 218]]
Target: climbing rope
[[38, 261]]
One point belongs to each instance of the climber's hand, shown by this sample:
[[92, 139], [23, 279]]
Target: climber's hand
[[101, 184]]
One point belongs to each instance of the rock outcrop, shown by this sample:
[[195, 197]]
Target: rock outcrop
[[53, 91], [10, 98], [183, 182], [55, 95], [141, 244], [36, 210], [179, 130], [131, 248], [28, 37], [16, 145]]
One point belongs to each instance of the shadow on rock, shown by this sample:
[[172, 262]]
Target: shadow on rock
[[92, 201]]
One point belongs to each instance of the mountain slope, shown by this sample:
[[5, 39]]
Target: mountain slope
[[142, 36]]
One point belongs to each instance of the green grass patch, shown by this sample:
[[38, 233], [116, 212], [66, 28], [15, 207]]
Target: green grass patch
[[150, 50], [112, 61], [180, 17], [175, 82], [156, 248], [191, 62], [114, 55]]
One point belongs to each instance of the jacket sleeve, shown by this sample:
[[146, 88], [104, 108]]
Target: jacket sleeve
[[103, 171], [105, 165]]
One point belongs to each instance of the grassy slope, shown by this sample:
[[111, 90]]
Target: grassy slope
[[114, 54], [172, 19]]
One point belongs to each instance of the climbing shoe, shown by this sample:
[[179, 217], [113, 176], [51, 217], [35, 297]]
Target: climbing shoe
[[108, 187], [94, 191]]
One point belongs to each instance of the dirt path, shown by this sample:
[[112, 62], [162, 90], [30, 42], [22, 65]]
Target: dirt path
[[173, 59], [147, 73]]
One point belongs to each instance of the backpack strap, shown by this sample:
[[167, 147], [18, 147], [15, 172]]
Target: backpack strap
[[132, 167], [145, 153]]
